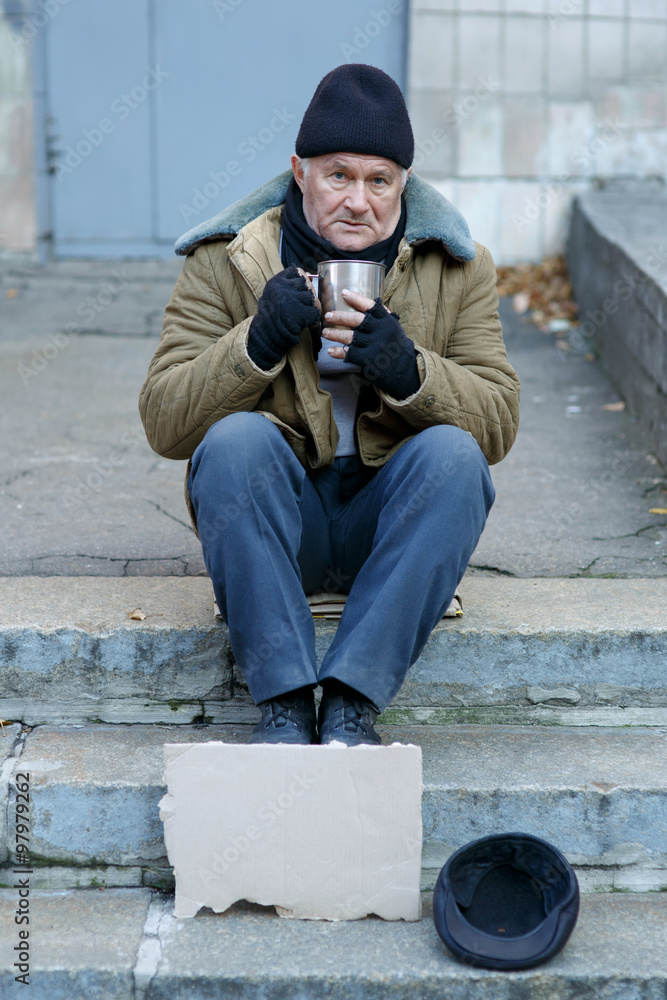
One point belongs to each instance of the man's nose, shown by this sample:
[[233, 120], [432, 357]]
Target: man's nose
[[357, 199]]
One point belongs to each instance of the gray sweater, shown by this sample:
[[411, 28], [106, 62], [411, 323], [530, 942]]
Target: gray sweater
[[343, 381]]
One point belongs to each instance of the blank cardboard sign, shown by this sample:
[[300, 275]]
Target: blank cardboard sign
[[324, 832]]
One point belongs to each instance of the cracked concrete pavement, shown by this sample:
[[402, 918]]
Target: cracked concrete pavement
[[575, 491], [81, 493]]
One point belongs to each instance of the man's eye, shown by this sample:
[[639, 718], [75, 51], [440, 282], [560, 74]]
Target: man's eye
[[339, 175], [379, 181]]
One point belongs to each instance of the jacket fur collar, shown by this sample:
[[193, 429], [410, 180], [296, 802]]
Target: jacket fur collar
[[430, 216]]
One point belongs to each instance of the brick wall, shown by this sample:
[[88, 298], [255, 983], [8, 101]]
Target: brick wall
[[517, 105]]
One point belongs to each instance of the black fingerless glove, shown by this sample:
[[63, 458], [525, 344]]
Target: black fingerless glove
[[385, 353], [285, 307]]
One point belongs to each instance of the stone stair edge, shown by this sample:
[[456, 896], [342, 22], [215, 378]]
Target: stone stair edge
[[34, 713], [527, 651], [144, 744], [524, 604], [592, 878], [578, 789], [615, 952]]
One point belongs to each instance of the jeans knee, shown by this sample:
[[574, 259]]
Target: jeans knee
[[236, 430], [240, 441], [240, 463], [446, 458], [446, 447]]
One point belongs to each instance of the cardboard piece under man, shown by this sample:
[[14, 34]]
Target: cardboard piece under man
[[354, 457]]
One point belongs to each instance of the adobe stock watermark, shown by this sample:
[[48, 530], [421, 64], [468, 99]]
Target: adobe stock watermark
[[624, 288], [121, 108], [33, 23], [248, 150], [595, 488], [437, 479], [581, 338], [591, 492], [365, 33], [565, 9], [224, 7], [41, 356], [462, 110], [88, 309], [411, 850], [267, 816], [269, 644], [258, 483], [102, 471], [533, 207]]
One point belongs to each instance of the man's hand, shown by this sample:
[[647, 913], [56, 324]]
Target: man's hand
[[375, 340], [287, 305], [341, 325]]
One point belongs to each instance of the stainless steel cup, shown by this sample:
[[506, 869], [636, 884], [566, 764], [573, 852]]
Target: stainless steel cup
[[363, 276]]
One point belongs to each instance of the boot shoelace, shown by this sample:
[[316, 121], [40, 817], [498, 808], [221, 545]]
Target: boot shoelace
[[355, 714], [280, 712]]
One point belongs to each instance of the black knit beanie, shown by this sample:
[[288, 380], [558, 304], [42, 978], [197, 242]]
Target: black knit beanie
[[357, 109]]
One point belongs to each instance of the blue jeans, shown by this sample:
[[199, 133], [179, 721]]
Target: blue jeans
[[397, 541]]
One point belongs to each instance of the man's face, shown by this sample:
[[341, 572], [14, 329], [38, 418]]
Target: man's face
[[351, 199]]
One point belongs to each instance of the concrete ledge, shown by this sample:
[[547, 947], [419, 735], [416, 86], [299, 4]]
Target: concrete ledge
[[82, 944], [567, 648], [256, 956], [69, 652], [617, 259], [122, 944], [600, 795]]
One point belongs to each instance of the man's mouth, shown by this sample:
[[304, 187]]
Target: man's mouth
[[350, 222]]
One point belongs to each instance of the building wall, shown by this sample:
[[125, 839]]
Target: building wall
[[518, 105], [182, 149], [17, 202]]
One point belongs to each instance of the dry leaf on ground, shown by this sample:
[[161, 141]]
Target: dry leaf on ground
[[137, 615], [614, 407], [658, 510]]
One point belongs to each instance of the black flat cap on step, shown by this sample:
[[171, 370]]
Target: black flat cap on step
[[508, 901]]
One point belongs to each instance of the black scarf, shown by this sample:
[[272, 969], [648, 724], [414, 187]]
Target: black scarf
[[302, 246]]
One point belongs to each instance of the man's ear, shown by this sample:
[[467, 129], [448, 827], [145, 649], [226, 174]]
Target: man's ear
[[407, 176], [298, 171]]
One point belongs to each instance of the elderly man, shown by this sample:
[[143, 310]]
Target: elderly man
[[352, 455]]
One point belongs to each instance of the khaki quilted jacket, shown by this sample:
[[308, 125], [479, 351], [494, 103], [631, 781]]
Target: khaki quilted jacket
[[442, 285]]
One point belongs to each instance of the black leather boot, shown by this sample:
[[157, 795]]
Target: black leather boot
[[346, 716], [289, 718]]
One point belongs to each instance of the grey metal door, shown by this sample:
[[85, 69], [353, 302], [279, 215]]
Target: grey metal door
[[164, 111]]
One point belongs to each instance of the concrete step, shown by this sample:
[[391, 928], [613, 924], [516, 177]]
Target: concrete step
[[125, 944], [564, 651], [600, 795]]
